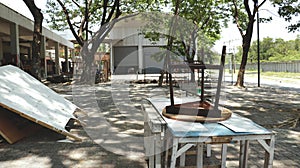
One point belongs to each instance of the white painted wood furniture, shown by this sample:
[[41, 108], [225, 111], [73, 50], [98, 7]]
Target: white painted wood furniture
[[181, 136]]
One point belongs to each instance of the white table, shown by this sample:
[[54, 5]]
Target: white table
[[185, 135]]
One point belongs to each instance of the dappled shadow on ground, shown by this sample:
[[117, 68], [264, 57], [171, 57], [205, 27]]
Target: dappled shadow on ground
[[272, 108], [43, 150], [276, 109], [269, 107], [118, 105]]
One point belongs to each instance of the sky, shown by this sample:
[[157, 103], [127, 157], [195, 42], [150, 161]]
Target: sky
[[230, 36]]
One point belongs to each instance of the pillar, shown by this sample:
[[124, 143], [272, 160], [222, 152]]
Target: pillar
[[72, 54], [1, 52], [14, 44], [140, 53], [57, 67], [196, 49], [66, 59], [112, 67], [73, 60], [29, 52], [43, 57]]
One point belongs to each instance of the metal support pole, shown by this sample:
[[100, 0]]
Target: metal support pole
[[258, 52]]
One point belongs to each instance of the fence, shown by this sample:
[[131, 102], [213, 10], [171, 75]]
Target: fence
[[273, 66]]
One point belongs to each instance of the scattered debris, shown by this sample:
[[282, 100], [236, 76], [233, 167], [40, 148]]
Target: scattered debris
[[59, 78], [146, 81]]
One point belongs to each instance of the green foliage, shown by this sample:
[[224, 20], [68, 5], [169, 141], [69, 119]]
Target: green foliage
[[289, 10], [207, 15], [99, 12], [274, 50], [199, 22], [134, 6]]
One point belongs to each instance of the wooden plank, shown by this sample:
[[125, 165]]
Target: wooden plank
[[63, 132], [9, 129], [27, 97]]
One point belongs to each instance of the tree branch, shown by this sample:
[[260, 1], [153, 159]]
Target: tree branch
[[76, 3], [35, 11], [78, 39], [236, 18], [261, 3], [112, 10], [204, 23], [105, 2], [246, 4], [81, 27]]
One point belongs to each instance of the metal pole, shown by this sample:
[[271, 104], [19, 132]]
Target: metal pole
[[258, 52]]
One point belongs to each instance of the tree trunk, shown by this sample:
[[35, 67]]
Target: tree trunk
[[246, 46], [37, 36], [89, 70], [162, 73], [191, 61]]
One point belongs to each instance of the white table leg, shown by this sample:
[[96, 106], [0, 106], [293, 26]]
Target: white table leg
[[242, 153], [174, 152], [246, 154], [224, 155], [243, 160], [167, 152], [158, 151], [199, 155], [149, 144], [182, 159], [208, 150], [269, 154]]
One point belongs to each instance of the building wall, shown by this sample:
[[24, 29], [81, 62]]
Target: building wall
[[16, 33], [132, 52]]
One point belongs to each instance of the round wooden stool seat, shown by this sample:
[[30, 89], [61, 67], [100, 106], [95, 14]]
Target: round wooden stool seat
[[225, 114]]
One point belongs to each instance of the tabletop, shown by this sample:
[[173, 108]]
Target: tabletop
[[235, 125]]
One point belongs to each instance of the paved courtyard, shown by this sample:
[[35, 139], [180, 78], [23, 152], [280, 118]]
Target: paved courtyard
[[113, 130]]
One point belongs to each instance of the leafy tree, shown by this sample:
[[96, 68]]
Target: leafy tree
[[207, 17], [81, 16], [84, 16], [37, 36], [289, 10], [198, 23], [266, 46], [87, 16], [244, 18]]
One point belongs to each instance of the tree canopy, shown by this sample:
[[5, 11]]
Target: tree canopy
[[274, 50], [85, 17], [289, 10], [198, 24]]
